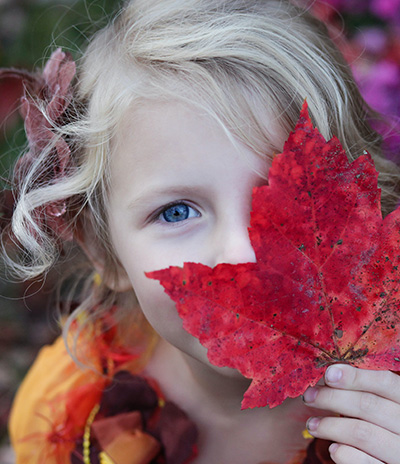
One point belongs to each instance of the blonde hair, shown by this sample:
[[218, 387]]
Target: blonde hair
[[248, 63]]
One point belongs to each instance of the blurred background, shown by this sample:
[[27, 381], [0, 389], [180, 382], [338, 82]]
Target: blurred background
[[367, 32], [29, 31]]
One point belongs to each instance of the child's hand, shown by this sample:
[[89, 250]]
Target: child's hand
[[369, 400]]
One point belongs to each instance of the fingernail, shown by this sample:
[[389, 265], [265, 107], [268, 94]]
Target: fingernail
[[333, 374], [312, 424], [310, 394], [333, 447]]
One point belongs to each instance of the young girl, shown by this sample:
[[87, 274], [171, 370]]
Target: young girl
[[147, 158]]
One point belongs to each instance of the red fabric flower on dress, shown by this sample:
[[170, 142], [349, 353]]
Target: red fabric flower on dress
[[135, 425]]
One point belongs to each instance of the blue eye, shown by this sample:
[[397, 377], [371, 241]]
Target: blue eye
[[179, 212]]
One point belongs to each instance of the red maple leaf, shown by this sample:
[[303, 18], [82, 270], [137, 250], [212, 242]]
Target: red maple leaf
[[325, 287]]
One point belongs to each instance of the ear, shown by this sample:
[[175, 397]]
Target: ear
[[112, 273]]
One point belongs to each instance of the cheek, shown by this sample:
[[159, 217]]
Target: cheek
[[162, 315], [144, 252], [160, 310], [139, 253], [156, 305]]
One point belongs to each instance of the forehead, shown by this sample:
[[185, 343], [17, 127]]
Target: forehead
[[161, 128], [160, 138]]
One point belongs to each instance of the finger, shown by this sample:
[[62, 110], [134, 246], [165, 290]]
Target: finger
[[362, 405], [343, 454], [368, 438], [382, 383]]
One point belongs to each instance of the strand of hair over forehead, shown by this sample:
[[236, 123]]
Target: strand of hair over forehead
[[178, 35], [172, 37], [237, 31]]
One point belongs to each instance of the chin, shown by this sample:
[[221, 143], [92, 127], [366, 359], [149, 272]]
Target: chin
[[228, 372], [199, 354]]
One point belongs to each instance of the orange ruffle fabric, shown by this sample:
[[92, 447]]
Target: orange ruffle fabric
[[52, 407], [41, 405]]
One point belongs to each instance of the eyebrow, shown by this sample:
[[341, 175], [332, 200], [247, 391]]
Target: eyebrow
[[152, 195]]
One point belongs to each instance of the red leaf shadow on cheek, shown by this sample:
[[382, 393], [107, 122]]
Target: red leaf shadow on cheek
[[325, 288]]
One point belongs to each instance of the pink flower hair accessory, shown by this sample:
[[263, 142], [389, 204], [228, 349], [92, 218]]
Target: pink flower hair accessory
[[44, 103]]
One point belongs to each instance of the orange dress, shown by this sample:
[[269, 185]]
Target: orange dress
[[66, 415], [106, 415]]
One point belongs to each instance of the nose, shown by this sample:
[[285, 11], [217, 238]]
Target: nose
[[232, 244]]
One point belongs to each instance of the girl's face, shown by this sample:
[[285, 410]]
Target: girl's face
[[180, 191]]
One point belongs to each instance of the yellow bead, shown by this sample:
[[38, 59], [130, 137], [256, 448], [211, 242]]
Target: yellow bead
[[161, 402], [307, 435], [105, 459], [97, 280], [86, 435]]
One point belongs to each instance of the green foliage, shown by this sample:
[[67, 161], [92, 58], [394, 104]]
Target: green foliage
[[29, 31], [35, 28]]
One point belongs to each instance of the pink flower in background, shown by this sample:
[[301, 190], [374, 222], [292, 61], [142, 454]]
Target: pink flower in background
[[386, 9], [373, 50], [372, 40], [391, 143], [350, 6], [380, 86]]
